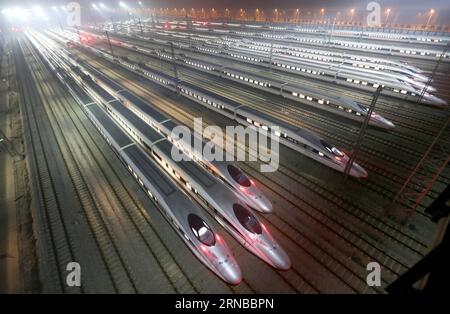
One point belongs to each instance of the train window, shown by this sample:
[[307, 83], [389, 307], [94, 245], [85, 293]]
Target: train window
[[238, 176], [201, 230], [247, 219]]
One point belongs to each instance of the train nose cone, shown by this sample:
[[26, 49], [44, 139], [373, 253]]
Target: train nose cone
[[389, 124], [358, 172], [231, 273], [280, 259], [265, 205]]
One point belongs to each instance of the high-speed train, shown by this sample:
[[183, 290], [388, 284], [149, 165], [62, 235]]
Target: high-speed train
[[219, 200], [399, 81], [399, 86], [340, 58], [186, 218], [383, 49], [333, 42], [224, 205], [298, 139], [226, 171], [301, 140], [339, 105], [344, 31], [336, 104]]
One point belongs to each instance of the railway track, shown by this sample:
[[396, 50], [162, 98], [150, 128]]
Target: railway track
[[56, 249], [133, 252]]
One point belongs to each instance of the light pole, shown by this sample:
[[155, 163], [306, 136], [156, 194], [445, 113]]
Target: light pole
[[429, 18], [322, 13], [388, 12], [352, 12]]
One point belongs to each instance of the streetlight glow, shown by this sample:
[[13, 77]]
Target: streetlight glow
[[388, 11], [429, 18]]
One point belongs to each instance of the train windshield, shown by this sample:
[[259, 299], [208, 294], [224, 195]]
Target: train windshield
[[365, 109], [201, 230], [246, 219], [332, 149], [238, 176]]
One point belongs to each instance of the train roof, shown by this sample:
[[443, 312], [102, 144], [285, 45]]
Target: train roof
[[210, 64], [200, 175], [113, 129], [146, 68], [271, 121], [85, 98], [143, 106], [169, 124], [228, 102], [151, 171], [100, 91], [259, 77], [102, 77], [143, 127], [255, 54]]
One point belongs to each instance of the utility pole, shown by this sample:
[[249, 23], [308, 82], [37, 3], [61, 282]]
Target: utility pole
[[140, 25], [362, 132], [332, 29], [109, 42], [188, 28], [78, 32], [271, 50], [174, 64], [153, 21], [113, 25]]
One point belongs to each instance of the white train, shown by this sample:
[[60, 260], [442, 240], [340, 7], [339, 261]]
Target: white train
[[186, 218]]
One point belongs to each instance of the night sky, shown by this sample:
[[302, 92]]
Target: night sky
[[403, 9], [416, 4]]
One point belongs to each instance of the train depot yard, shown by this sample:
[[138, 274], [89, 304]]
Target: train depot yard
[[221, 150]]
